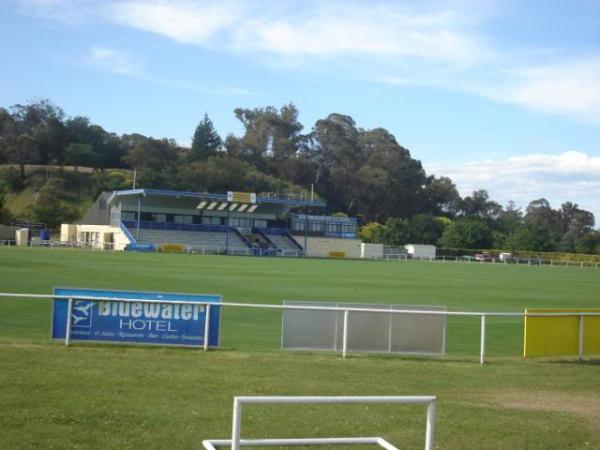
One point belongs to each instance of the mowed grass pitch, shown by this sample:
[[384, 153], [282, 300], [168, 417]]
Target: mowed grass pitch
[[102, 396]]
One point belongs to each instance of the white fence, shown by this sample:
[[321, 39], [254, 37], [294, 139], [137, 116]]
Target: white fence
[[60, 244], [196, 249], [236, 442], [346, 310], [245, 251]]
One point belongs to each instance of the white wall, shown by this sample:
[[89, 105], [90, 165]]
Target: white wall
[[21, 236], [72, 232], [321, 246], [371, 250], [420, 250], [68, 232]]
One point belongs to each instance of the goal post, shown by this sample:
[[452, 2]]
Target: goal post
[[236, 441]]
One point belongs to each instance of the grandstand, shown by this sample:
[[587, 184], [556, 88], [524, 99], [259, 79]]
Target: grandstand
[[233, 223], [204, 241]]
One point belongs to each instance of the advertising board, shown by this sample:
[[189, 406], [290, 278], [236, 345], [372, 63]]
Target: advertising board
[[156, 318]]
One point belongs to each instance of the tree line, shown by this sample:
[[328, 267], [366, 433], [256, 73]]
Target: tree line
[[360, 172]]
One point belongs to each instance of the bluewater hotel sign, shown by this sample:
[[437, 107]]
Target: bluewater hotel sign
[[160, 322]]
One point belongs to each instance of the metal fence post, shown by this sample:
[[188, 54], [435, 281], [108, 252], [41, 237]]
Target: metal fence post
[[482, 349], [581, 332], [430, 430], [345, 335], [206, 326], [235, 428], [391, 321], [68, 330]]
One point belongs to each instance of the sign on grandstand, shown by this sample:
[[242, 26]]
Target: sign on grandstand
[[156, 318], [241, 197]]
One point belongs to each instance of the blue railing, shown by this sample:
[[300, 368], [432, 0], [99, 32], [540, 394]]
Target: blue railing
[[127, 233], [242, 237], [260, 232], [294, 241], [150, 225], [280, 231], [265, 232]]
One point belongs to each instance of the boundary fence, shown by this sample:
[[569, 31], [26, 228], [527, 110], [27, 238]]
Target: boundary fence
[[244, 251], [346, 310], [151, 248]]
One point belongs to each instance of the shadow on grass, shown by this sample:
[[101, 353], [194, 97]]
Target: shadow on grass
[[300, 354], [583, 362]]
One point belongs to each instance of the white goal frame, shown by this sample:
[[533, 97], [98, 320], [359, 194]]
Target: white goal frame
[[236, 442]]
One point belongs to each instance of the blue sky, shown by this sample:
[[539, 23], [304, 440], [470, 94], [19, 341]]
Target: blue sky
[[500, 95]]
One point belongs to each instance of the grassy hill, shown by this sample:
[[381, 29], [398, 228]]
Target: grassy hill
[[71, 190]]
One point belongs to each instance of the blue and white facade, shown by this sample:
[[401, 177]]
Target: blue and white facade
[[210, 223]]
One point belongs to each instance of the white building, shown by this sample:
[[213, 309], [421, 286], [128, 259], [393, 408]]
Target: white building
[[420, 251]]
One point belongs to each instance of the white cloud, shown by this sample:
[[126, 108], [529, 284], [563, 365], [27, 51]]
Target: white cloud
[[570, 176], [114, 61], [430, 43], [364, 29], [121, 63], [69, 11], [182, 20], [566, 88], [319, 29]]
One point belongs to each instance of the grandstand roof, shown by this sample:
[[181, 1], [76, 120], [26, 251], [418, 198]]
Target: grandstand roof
[[284, 200]]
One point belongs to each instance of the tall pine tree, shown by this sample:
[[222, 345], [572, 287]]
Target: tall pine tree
[[206, 141]]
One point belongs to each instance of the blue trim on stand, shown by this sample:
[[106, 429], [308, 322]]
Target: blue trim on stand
[[127, 233]]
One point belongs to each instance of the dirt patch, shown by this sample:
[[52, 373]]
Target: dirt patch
[[585, 405]]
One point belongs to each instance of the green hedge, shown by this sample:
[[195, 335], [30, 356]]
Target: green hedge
[[465, 251], [557, 256], [546, 256]]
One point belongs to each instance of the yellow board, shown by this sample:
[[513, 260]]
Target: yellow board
[[172, 248], [337, 254], [241, 197], [557, 336]]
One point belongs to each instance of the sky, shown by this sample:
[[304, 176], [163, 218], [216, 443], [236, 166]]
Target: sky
[[497, 95]]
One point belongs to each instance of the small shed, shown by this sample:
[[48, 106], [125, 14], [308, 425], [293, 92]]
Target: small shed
[[420, 251]]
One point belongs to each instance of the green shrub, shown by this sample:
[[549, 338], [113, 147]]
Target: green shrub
[[10, 179], [546, 256]]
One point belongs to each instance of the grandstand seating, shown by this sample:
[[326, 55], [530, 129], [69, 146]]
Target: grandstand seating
[[214, 238], [201, 241], [282, 241]]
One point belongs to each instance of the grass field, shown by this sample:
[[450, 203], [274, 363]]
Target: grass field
[[101, 396]]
